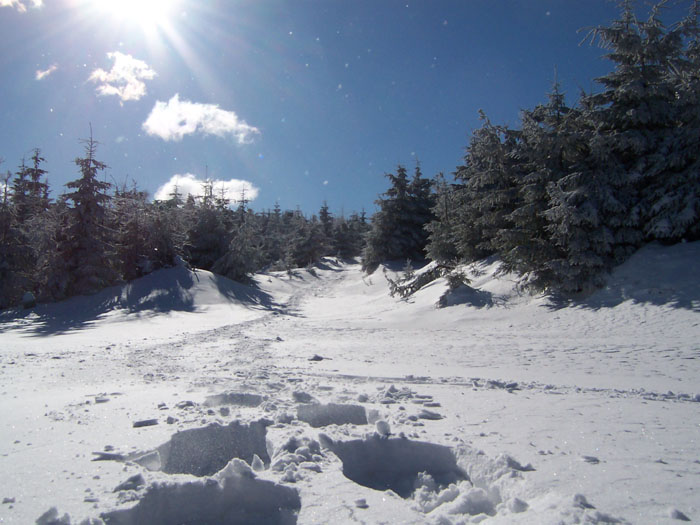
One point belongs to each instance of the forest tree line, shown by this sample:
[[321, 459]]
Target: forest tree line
[[97, 235], [560, 200], [575, 190]]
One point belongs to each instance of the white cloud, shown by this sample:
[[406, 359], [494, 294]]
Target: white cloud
[[174, 119], [41, 74], [125, 79], [20, 5], [189, 184]]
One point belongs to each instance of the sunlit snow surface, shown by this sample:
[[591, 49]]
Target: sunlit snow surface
[[316, 397]]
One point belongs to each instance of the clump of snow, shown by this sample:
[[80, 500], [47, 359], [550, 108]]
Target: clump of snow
[[297, 455]]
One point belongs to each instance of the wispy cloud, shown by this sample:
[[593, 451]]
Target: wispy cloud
[[176, 118], [125, 79], [189, 184], [21, 5], [41, 74]]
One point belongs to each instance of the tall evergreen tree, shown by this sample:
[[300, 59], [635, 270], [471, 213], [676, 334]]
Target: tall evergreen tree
[[442, 246], [596, 214], [88, 249], [670, 200], [549, 143], [490, 190], [12, 280], [636, 115]]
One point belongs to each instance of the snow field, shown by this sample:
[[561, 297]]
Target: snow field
[[313, 394]]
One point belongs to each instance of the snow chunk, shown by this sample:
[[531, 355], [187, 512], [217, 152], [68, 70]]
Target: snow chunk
[[50, 517], [234, 496], [206, 450]]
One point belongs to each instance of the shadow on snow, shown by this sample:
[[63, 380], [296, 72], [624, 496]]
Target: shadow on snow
[[656, 274]]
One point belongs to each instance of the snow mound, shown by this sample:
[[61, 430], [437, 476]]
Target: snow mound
[[656, 274], [234, 496], [395, 464], [206, 450], [163, 292]]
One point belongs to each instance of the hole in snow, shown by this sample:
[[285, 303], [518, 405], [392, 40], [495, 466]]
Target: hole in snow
[[206, 450], [234, 398], [234, 496], [331, 414], [395, 464]]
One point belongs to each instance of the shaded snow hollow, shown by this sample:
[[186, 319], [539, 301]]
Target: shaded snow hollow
[[315, 397]]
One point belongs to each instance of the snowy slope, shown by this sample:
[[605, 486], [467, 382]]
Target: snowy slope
[[353, 406]]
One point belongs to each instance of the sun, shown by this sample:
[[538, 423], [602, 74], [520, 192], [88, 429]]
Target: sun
[[149, 14]]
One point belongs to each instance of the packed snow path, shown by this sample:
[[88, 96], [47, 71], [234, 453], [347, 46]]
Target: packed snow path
[[317, 397]]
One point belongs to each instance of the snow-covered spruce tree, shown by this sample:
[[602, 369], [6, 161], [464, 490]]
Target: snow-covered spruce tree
[[441, 230], [587, 211], [20, 193], [272, 236], [244, 255], [88, 245], [133, 250], [50, 240], [420, 208], [28, 201], [11, 278], [304, 241], [639, 121], [36, 185], [549, 142], [167, 226], [349, 235], [490, 192], [596, 215], [670, 200], [325, 217], [210, 234], [167, 233], [398, 227]]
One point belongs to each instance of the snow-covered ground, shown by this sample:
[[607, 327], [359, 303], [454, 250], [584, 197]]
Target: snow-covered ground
[[317, 397]]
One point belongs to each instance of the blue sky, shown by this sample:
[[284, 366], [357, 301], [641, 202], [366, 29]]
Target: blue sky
[[298, 102]]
